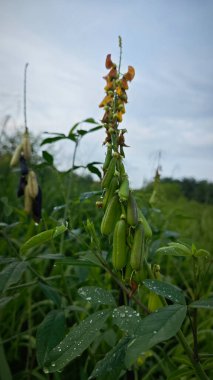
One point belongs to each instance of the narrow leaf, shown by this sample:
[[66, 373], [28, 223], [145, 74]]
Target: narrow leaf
[[11, 274], [42, 238], [76, 341], [47, 157], [51, 293], [203, 303], [173, 250], [168, 291], [96, 296], [50, 332], [51, 140]]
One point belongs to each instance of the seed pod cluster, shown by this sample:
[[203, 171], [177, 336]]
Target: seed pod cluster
[[28, 185], [121, 219]]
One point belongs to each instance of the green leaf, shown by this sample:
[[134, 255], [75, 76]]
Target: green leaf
[[50, 332], [157, 327], [110, 367], [4, 301], [175, 249], [76, 341], [51, 140], [168, 291], [126, 318], [42, 238], [202, 253], [94, 170], [67, 260], [11, 274], [47, 157], [90, 120], [96, 296], [51, 293], [203, 303], [181, 372], [89, 194], [5, 373]]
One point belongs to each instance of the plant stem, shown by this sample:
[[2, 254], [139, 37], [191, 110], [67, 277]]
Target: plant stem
[[200, 374]]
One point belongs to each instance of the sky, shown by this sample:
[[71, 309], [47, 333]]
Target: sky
[[170, 100]]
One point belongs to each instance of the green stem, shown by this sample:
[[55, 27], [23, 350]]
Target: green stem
[[200, 374]]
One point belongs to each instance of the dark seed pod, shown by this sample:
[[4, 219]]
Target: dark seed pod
[[137, 251], [21, 187], [37, 205], [23, 166]]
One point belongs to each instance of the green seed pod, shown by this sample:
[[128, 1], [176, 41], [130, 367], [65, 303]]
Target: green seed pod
[[137, 251], [110, 191], [28, 202], [112, 214], [16, 156], [26, 145], [146, 226], [32, 184], [132, 211], [121, 168], [108, 157], [109, 173], [124, 189], [119, 253]]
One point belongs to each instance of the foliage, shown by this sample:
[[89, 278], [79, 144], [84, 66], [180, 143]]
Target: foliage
[[66, 312]]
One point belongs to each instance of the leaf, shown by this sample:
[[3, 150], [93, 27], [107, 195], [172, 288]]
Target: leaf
[[51, 140], [96, 296], [110, 367], [5, 373], [169, 291], [11, 274], [42, 238], [90, 120], [76, 341], [50, 332], [203, 303], [157, 327], [89, 194], [67, 260], [51, 293], [47, 157], [126, 318], [94, 170], [175, 249], [202, 253], [4, 301]]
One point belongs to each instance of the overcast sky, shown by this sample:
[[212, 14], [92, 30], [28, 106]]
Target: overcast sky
[[170, 44]]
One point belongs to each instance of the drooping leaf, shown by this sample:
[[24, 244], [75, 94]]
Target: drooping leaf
[[50, 332], [127, 319], [203, 303], [76, 341], [168, 291], [93, 169], [11, 274], [110, 367], [47, 157], [42, 238], [157, 327], [51, 293], [96, 296]]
